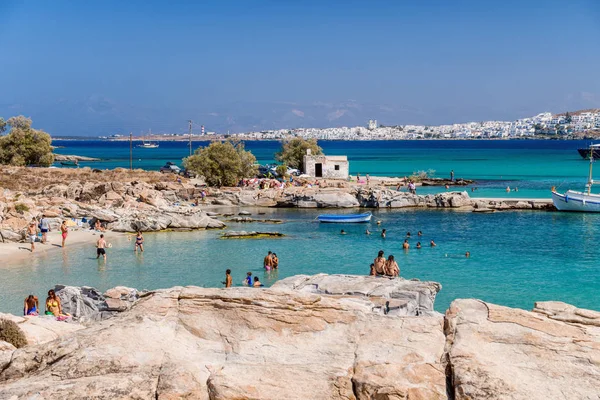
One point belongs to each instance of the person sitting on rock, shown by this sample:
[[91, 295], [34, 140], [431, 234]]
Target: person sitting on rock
[[31, 305], [391, 267], [53, 306], [379, 264], [372, 270], [257, 282]]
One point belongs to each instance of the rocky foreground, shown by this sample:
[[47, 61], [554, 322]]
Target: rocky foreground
[[128, 201], [319, 337]]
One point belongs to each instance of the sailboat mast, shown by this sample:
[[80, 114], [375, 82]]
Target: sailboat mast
[[590, 180]]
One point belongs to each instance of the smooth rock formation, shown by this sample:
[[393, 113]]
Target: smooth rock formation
[[43, 328], [407, 297], [240, 343], [497, 352], [87, 305]]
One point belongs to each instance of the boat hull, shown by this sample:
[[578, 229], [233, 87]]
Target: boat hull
[[585, 153], [576, 201], [345, 218]]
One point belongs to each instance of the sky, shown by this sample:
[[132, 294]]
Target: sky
[[105, 67]]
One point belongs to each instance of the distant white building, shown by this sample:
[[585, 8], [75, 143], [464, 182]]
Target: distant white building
[[329, 167], [372, 124]]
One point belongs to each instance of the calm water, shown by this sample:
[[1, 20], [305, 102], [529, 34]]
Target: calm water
[[533, 166], [517, 257]]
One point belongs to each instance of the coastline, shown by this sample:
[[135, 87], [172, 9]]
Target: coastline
[[18, 251]]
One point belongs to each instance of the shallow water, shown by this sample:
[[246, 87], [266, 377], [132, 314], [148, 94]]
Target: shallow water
[[516, 257]]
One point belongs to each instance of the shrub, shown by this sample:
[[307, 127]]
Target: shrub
[[422, 175], [24, 145], [281, 170], [222, 163], [11, 333], [21, 208], [292, 152]]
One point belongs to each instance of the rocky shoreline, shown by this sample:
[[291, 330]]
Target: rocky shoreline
[[127, 201], [307, 337]]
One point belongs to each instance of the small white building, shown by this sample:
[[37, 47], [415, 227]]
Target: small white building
[[372, 124], [328, 167]]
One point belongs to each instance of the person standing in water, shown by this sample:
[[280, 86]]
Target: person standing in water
[[405, 245], [257, 282], [248, 279], [275, 261], [432, 244], [383, 233], [100, 247], [31, 234], [139, 242], [268, 261], [64, 231], [228, 279]]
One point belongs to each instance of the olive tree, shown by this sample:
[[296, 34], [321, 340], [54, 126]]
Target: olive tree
[[24, 145], [292, 151], [222, 163]]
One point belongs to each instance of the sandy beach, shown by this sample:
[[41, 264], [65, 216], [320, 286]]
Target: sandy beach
[[11, 251]]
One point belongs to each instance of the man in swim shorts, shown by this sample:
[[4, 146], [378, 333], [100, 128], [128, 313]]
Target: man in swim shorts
[[31, 234], [268, 261], [100, 247], [44, 227]]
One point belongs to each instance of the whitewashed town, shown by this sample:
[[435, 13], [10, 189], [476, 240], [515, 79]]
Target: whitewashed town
[[546, 123]]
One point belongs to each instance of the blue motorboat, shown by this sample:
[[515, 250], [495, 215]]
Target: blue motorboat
[[345, 218]]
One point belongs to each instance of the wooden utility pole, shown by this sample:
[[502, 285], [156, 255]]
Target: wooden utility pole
[[131, 151], [190, 122]]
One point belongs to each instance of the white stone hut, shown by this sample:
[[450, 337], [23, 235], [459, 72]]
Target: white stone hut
[[328, 167]]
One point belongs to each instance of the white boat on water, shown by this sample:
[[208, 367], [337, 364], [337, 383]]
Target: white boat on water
[[345, 218], [572, 200], [148, 145]]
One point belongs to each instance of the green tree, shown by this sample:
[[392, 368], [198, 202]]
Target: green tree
[[222, 163], [2, 125], [282, 170], [292, 151], [24, 145]]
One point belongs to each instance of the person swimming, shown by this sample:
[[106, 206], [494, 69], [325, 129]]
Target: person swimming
[[468, 254], [432, 244], [407, 234], [367, 232], [419, 233], [343, 232], [418, 246], [383, 233], [257, 282]]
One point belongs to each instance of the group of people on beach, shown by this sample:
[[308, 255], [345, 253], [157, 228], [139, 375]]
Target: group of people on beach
[[53, 306], [42, 228]]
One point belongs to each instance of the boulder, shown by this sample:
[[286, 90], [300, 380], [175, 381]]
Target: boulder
[[86, 304], [239, 343], [43, 328], [412, 297], [497, 352]]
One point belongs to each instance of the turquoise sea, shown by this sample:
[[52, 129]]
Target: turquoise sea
[[532, 166], [516, 257]]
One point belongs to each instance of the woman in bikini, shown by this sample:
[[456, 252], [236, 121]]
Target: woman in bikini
[[139, 242], [64, 230], [391, 267], [379, 264], [53, 306]]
